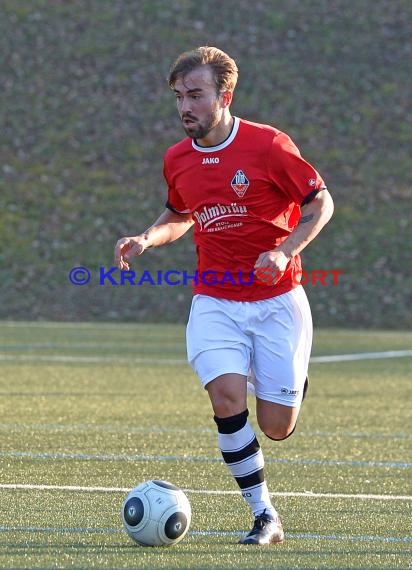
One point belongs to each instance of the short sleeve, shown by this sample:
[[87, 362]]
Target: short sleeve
[[291, 172], [174, 200]]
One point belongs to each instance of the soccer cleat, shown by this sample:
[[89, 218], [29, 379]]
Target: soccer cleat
[[265, 531]]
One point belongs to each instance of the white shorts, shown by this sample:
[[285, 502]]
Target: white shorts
[[271, 338]]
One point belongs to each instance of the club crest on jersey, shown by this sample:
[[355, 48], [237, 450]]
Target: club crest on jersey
[[240, 183]]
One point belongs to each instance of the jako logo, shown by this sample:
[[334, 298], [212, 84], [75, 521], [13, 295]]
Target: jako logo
[[210, 160]]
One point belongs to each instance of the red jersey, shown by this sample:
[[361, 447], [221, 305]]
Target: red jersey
[[244, 196]]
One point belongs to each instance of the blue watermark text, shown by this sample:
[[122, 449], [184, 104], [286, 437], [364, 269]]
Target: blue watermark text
[[113, 276]]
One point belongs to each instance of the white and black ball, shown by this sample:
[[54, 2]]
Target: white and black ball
[[156, 513]]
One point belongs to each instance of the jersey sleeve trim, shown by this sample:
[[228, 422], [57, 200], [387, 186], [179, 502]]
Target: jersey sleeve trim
[[311, 196], [170, 207]]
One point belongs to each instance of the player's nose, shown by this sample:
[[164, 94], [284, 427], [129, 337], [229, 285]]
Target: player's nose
[[185, 106]]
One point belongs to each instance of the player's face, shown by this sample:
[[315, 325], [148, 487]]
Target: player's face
[[199, 105]]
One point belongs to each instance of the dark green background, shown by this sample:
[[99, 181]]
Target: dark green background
[[86, 116]]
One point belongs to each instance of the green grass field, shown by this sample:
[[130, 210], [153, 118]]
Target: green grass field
[[90, 410]]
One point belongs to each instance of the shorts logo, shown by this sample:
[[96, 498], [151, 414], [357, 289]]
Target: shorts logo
[[289, 392], [312, 182], [240, 183]]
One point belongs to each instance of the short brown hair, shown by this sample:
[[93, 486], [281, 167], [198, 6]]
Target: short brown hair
[[224, 67]]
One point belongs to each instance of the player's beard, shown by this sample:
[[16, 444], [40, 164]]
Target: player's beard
[[198, 130]]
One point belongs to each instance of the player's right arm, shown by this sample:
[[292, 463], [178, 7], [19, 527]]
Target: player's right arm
[[169, 227]]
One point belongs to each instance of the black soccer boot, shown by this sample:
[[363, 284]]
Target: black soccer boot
[[265, 531]]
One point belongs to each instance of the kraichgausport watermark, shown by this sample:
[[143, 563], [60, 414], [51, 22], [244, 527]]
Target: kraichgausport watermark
[[113, 276], [79, 275]]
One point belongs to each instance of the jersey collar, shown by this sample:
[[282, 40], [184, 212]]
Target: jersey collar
[[223, 144]]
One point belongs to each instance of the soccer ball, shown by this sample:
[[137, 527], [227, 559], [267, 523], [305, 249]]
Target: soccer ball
[[156, 513]]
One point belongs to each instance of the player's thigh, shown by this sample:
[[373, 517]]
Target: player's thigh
[[216, 344], [282, 343]]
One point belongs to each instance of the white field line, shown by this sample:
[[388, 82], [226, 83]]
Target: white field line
[[206, 533], [310, 495], [69, 359], [65, 359], [53, 456], [361, 356]]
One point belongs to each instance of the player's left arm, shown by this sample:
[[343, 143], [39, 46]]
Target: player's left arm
[[314, 216]]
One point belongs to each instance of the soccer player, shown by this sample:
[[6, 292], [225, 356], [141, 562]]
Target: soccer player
[[255, 203]]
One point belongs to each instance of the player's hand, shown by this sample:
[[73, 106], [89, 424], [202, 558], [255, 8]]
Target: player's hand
[[270, 265], [126, 248]]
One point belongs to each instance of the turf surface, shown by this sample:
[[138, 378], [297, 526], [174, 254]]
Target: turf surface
[[88, 411]]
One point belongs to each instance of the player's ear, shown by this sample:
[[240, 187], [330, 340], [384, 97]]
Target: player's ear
[[226, 98]]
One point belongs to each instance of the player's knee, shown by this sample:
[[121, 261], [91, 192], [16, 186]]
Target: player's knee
[[226, 397], [225, 407], [279, 435], [278, 431]]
